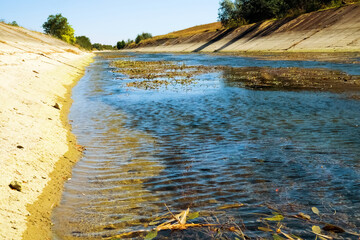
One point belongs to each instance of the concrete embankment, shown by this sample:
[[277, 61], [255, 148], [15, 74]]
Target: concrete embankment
[[332, 30], [37, 149]]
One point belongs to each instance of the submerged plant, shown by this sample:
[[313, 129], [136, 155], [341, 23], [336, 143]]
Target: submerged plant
[[155, 74]]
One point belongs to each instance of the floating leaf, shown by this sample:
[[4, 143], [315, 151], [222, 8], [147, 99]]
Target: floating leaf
[[316, 229], [315, 210], [193, 215], [151, 235], [277, 237], [264, 229], [276, 218]]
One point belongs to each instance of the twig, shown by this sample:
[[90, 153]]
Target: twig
[[176, 218]]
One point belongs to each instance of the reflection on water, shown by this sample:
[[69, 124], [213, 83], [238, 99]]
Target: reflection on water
[[206, 146]]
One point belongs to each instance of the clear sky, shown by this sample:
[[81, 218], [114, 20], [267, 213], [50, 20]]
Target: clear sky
[[109, 21]]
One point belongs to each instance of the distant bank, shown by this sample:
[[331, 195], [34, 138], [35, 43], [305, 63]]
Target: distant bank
[[37, 148], [332, 30]]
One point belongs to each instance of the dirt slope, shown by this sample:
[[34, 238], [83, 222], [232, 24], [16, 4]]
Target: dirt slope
[[329, 30], [36, 73]]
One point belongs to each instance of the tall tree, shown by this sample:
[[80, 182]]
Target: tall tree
[[58, 26]]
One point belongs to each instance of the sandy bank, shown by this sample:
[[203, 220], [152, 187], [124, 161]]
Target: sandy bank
[[36, 76], [333, 30]]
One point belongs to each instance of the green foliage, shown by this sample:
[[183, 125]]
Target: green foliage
[[84, 42], [14, 23], [239, 12], [142, 36], [58, 26], [101, 47], [121, 44], [229, 14], [129, 43]]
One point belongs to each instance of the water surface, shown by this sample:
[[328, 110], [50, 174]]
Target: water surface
[[207, 145]]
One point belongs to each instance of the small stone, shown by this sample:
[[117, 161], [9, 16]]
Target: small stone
[[20, 147], [15, 185], [56, 106]]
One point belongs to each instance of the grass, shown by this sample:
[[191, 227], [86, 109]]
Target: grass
[[211, 27]]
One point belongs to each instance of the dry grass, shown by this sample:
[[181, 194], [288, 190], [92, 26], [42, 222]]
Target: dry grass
[[211, 27], [72, 51]]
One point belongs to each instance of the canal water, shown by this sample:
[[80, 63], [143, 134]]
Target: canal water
[[206, 146]]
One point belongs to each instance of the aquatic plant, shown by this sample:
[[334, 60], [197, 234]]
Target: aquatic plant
[[158, 73], [291, 79]]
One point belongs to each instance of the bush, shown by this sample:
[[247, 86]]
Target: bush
[[101, 47], [58, 26], [84, 42], [121, 44], [14, 23], [142, 36]]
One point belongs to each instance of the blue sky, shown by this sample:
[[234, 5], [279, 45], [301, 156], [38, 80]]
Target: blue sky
[[109, 21]]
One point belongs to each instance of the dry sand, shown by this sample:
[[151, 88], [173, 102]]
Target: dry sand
[[37, 148]]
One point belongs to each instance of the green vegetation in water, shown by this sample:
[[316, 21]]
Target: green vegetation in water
[[291, 79], [159, 73]]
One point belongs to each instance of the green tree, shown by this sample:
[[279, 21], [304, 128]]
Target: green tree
[[14, 23], [84, 42], [121, 44], [100, 46], [233, 14], [142, 36], [58, 26], [226, 12]]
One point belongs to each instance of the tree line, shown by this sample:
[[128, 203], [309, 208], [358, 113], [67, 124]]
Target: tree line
[[58, 26], [130, 43], [240, 12]]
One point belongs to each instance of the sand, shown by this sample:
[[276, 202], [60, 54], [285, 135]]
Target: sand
[[37, 147]]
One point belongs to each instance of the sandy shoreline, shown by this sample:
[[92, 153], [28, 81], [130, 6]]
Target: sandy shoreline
[[37, 150]]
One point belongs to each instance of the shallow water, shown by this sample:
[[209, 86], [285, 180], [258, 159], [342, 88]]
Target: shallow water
[[206, 145]]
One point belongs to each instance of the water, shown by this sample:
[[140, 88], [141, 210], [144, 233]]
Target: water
[[205, 146]]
